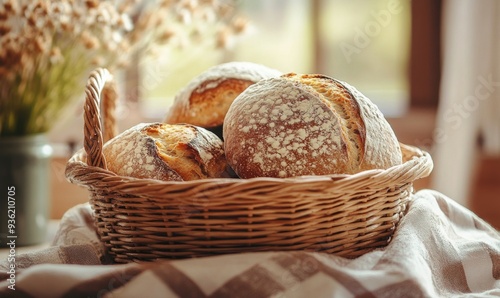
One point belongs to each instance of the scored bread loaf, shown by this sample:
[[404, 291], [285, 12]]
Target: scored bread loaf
[[205, 100], [297, 125], [166, 152]]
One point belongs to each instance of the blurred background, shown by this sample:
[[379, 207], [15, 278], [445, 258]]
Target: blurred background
[[423, 63]]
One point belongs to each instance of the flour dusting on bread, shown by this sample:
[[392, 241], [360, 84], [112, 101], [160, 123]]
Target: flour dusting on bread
[[297, 125], [205, 100], [166, 152], [212, 77]]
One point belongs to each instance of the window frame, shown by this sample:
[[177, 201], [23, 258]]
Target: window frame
[[425, 53]]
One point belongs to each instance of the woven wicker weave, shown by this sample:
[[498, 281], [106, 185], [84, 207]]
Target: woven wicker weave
[[143, 220]]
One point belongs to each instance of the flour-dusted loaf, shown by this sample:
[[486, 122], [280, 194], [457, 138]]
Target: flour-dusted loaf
[[298, 125], [166, 152], [205, 100]]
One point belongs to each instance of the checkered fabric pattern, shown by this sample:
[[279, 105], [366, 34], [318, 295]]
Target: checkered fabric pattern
[[440, 249]]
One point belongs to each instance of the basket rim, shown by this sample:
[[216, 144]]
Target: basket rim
[[418, 164]]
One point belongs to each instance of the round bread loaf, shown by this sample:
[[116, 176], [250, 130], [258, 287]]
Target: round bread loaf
[[205, 100], [297, 125], [166, 152]]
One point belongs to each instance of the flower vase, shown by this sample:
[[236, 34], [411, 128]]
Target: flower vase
[[24, 189]]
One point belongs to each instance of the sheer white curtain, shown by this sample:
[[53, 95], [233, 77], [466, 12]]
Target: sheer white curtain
[[470, 94]]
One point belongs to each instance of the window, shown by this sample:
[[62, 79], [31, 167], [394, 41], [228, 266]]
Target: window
[[366, 43], [363, 42]]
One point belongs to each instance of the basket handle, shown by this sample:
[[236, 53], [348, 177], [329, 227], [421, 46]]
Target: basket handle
[[100, 89]]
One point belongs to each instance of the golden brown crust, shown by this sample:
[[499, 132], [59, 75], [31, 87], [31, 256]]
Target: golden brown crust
[[206, 99], [166, 152], [207, 107], [306, 125], [381, 146]]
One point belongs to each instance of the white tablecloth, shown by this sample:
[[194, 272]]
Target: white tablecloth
[[440, 249]]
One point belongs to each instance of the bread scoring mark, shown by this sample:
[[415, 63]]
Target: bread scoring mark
[[382, 148], [355, 123], [206, 98], [232, 70], [189, 150], [214, 76], [207, 156], [207, 85], [133, 154], [343, 103]]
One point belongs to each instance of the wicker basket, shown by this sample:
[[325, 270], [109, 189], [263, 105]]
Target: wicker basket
[[143, 220]]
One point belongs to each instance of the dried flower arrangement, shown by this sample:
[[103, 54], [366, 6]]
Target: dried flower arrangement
[[48, 47]]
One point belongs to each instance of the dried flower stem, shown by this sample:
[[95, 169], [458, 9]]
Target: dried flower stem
[[48, 47]]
